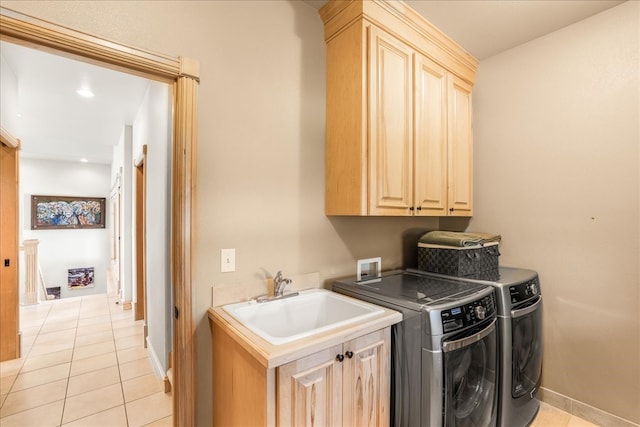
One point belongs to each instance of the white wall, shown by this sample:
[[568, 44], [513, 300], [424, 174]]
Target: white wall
[[557, 131], [153, 127], [9, 99], [60, 250]]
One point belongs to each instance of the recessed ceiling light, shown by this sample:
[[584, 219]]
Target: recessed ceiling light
[[85, 93], [84, 160]]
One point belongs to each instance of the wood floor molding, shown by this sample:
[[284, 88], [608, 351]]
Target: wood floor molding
[[183, 73]]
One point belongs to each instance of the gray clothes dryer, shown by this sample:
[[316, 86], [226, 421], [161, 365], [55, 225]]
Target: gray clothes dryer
[[519, 309]]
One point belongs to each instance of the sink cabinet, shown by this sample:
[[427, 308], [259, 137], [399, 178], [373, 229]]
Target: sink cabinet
[[338, 378], [399, 129], [345, 385]]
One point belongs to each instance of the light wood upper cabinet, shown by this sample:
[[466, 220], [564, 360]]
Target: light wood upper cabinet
[[430, 159], [391, 125], [321, 390], [460, 142], [399, 137]]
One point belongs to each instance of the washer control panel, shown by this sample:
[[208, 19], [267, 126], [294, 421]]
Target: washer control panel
[[468, 314], [525, 290]]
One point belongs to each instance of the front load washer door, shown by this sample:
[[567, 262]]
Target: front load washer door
[[470, 379]]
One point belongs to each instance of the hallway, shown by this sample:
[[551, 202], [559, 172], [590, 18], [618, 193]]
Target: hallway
[[83, 364]]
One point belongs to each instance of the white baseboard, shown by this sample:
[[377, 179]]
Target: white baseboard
[[158, 369]]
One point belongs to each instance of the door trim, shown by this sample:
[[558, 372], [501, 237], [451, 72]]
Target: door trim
[[140, 306], [183, 73], [10, 337]]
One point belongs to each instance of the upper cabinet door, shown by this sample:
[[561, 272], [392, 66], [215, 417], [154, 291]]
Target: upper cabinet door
[[390, 125], [398, 121], [430, 152], [460, 138]]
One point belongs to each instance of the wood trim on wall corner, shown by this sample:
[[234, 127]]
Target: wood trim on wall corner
[[8, 139], [33, 32]]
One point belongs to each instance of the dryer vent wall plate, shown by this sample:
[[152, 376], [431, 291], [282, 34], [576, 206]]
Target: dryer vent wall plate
[[369, 269]]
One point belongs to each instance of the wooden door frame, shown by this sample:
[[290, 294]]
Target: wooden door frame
[[140, 306], [10, 342], [183, 74]]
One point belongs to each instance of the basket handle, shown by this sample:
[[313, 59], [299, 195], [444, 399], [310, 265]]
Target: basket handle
[[493, 251], [473, 256]]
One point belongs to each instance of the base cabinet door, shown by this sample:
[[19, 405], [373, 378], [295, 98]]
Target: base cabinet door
[[310, 390], [366, 381], [345, 385]]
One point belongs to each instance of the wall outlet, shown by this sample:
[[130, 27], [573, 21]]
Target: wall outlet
[[369, 269], [227, 260]]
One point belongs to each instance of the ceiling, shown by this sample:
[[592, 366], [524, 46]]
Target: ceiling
[[487, 27], [56, 123]]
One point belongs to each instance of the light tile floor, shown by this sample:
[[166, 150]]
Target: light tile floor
[[550, 416], [83, 364]]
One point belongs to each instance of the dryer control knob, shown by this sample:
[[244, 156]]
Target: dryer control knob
[[533, 289], [480, 312]]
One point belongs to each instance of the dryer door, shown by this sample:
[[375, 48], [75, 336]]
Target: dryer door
[[526, 336], [470, 378]]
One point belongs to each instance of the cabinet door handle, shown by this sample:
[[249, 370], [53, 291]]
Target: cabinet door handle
[[450, 209], [349, 354], [340, 357], [419, 208], [411, 208]]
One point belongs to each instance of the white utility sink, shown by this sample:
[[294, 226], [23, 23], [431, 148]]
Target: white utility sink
[[311, 312]]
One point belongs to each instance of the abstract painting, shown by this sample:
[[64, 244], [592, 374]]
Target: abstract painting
[[57, 212]]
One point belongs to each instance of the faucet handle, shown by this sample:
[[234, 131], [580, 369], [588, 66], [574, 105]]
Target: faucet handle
[[279, 283]]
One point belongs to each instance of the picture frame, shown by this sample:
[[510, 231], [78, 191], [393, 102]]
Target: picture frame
[[67, 212], [79, 278]]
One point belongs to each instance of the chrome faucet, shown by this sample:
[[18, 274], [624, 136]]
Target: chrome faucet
[[279, 283]]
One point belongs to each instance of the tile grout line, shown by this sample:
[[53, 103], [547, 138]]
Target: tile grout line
[[115, 346], [50, 315], [73, 351], [25, 357], [113, 339]]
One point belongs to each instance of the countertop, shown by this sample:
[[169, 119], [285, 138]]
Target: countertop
[[272, 356]]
